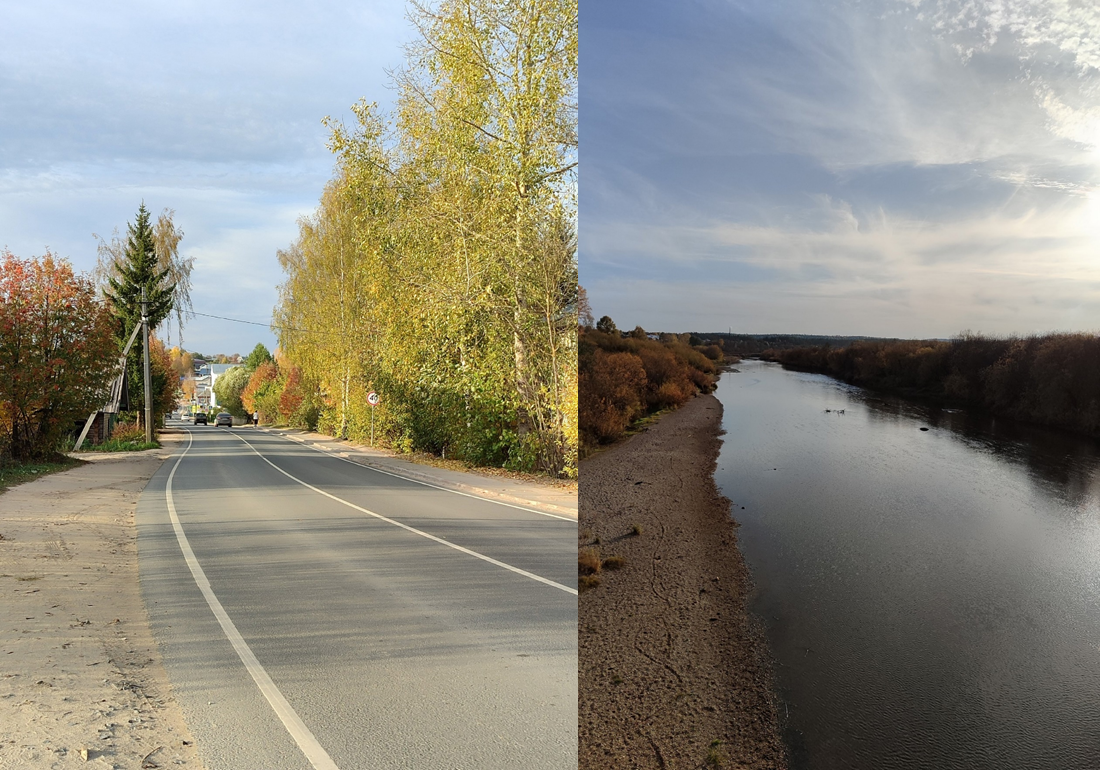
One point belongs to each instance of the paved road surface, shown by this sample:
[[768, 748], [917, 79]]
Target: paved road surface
[[371, 641]]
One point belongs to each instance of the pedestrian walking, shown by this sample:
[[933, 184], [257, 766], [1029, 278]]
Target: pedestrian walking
[[256, 418]]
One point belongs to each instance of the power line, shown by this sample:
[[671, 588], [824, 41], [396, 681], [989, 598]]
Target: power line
[[226, 318], [260, 324]]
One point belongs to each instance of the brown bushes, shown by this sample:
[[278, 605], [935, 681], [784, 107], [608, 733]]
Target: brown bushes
[[623, 379], [611, 394], [588, 562]]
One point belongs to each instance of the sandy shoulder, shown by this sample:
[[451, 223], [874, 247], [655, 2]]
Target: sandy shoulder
[[80, 674], [673, 672]]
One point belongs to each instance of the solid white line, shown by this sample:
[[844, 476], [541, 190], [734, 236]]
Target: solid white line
[[428, 484], [307, 743], [429, 536]]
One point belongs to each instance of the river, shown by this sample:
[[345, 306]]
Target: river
[[932, 598]]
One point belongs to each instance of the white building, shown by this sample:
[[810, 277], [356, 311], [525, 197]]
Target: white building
[[216, 371]]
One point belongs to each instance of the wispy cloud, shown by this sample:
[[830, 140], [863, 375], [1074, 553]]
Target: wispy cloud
[[918, 166], [212, 109], [1003, 272]]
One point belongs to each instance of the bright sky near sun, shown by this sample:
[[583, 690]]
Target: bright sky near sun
[[876, 167], [212, 109]]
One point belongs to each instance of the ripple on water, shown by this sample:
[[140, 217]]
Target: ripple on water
[[932, 598]]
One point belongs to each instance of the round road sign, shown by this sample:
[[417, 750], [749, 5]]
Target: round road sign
[[373, 399]]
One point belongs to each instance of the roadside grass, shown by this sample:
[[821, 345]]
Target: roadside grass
[[127, 437], [122, 445], [12, 474], [427, 459]]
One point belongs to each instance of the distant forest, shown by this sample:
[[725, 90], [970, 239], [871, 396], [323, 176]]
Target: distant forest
[[626, 376], [1051, 379], [753, 345]]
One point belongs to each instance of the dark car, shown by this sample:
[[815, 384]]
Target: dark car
[[200, 417], [223, 419]]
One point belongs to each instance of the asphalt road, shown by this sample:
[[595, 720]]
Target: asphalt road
[[413, 628]]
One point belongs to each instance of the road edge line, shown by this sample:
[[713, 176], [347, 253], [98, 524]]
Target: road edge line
[[298, 730]]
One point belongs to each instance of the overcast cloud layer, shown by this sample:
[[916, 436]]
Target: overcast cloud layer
[[211, 109], [881, 167]]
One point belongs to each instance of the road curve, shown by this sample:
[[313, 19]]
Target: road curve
[[400, 625]]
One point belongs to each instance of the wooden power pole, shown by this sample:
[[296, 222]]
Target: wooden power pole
[[148, 377]]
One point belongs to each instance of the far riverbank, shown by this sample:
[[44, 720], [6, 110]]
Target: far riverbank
[[674, 673]]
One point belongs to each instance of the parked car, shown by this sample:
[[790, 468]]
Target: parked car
[[200, 417], [223, 419]]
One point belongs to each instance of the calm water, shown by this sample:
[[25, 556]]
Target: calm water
[[932, 597]]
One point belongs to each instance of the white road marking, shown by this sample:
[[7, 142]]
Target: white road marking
[[421, 533], [304, 738], [429, 484]]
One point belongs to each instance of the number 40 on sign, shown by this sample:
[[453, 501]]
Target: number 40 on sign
[[372, 400]]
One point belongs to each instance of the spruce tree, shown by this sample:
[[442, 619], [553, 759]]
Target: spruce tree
[[136, 271]]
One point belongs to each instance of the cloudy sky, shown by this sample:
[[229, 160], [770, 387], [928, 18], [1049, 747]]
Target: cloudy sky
[[879, 167], [212, 109]]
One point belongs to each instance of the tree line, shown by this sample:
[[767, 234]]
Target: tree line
[[440, 267], [624, 378], [1051, 379]]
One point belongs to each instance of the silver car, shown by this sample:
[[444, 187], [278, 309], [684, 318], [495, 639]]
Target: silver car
[[223, 419]]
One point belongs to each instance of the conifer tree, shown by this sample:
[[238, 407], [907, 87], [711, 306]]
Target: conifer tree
[[138, 270], [260, 355]]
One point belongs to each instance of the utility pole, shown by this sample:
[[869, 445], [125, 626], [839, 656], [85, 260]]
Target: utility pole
[[148, 377]]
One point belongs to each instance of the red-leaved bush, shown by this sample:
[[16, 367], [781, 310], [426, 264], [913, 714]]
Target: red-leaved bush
[[56, 352]]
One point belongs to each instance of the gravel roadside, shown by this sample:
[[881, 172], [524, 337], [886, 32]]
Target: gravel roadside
[[81, 683], [674, 673]]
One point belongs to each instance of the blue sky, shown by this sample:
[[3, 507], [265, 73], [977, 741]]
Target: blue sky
[[212, 109], [877, 167]]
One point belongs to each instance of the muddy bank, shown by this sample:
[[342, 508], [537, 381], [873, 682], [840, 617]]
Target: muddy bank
[[81, 681], [673, 671]]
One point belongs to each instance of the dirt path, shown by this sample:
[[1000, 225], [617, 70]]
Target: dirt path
[[81, 683], [673, 672]]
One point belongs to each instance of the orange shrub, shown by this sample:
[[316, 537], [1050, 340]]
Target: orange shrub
[[623, 378]]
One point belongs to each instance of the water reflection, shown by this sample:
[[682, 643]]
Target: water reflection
[[1062, 463], [932, 597]]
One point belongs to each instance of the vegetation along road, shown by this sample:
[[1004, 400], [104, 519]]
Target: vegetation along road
[[312, 611]]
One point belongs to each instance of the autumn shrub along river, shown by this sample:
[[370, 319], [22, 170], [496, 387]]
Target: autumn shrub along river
[[625, 378], [440, 268], [1050, 379]]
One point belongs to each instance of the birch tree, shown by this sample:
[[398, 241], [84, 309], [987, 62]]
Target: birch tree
[[440, 267], [488, 104]]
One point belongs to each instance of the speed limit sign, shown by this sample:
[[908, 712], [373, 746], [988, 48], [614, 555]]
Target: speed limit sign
[[373, 399]]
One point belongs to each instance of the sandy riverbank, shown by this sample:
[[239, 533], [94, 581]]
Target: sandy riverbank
[[81, 683], [673, 672]]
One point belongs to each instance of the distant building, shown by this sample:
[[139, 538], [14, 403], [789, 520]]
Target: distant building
[[202, 392], [216, 371]]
